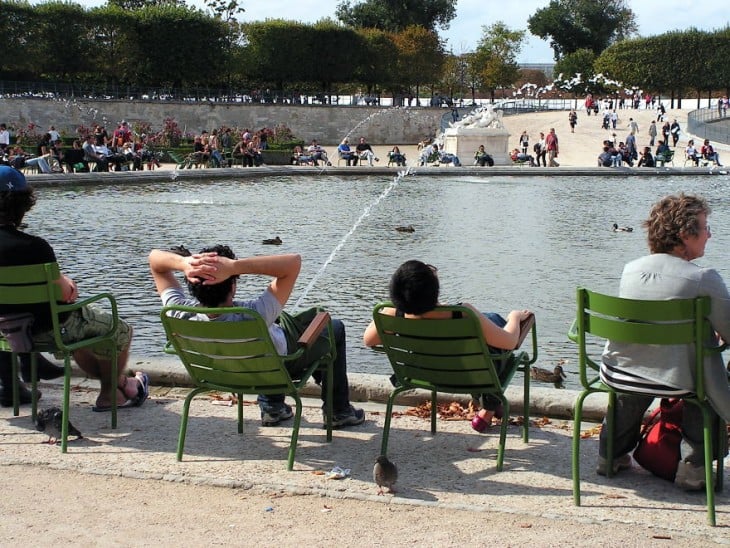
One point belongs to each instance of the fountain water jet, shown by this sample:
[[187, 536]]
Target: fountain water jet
[[341, 243]]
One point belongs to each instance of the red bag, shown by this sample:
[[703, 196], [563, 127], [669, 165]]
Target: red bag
[[661, 435]]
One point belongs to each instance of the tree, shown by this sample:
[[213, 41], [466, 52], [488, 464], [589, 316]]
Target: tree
[[393, 16], [279, 51], [139, 4], [420, 57], [574, 72], [62, 47], [380, 61], [571, 25], [495, 56], [225, 9], [17, 22]]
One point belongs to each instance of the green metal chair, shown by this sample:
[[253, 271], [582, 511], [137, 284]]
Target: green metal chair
[[240, 357], [21, 286], [451, 356], [679, 321], [181, 163]]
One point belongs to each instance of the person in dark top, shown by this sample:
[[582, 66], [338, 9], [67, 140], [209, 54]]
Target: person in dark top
[[414, 291], [19, 248], [646, 160], [75, 156]]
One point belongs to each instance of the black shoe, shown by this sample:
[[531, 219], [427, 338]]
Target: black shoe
[[46, 369], [6, 396]]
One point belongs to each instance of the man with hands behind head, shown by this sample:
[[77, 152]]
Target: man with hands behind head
[[211, 277]]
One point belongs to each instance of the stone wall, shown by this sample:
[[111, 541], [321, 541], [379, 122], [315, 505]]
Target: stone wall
[[328, 124]]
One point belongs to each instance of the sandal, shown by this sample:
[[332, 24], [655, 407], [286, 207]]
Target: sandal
[[480, 424], [143, 390], [104, 408]]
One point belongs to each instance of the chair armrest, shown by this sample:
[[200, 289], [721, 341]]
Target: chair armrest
[[525, 326], [573, 331], [80, 304], [320, 321]]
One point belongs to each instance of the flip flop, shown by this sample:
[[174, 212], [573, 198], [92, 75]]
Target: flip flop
[[126, 405], [143, 391]]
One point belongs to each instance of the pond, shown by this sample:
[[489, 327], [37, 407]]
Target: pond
[[499, 242]]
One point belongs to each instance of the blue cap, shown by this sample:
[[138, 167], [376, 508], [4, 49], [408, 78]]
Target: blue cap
[[12, 180]]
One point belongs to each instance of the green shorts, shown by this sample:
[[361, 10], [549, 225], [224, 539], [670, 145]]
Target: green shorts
[[88, 322]]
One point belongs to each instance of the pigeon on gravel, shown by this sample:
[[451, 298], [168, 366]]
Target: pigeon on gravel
[[385, 474], [49, 421]]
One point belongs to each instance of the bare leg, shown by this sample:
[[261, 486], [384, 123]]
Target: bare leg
[[101, 369]]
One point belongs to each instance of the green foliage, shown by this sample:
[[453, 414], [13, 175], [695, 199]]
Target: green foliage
[[420, 56], [279, 51], [280, 137], [28, 135], [570, 66], [397, 16], [571, 25], [495, 56]]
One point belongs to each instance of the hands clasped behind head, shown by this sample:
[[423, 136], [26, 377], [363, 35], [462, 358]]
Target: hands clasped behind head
[[203, 268]]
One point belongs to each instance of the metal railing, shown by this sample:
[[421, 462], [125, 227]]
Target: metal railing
[[710, 123]]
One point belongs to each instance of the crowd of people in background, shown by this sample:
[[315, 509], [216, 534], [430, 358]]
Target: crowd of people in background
[[661, 132]]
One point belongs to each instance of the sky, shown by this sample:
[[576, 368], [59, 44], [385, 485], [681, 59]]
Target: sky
[[652, 16]]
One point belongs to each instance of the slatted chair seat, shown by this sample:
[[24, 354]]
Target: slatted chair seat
[[241, 358], [451, 356], [29, 285], [669, 322]]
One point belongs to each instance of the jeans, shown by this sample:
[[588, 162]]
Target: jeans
[[340, 389], [40, 162], [630, 410]]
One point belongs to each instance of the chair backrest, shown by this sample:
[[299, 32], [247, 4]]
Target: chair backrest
[[668, 322], [238, 356], [443, 354], [30, 288]]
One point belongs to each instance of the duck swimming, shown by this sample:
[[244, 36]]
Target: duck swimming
[[408, 228], [272, 241], [556, 376], [617, 228]]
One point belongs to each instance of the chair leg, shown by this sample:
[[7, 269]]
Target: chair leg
[[184, 421], [34, 385], [388, 416], [722, 450], [16, 387], [611, 434], [66, 398], [240, 413], [502, 433], [577, 420], [434, 409], [114, 384], [294, 432], [709, 484], [526, 405]]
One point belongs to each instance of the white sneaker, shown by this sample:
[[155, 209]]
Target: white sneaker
[[691, 477]]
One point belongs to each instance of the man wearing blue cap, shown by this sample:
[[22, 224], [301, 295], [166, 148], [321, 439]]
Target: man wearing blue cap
[[18, 248]]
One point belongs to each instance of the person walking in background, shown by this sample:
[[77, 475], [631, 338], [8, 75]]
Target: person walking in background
[[633, 126], [573, 120], [551, 143], [652, 133], [674, 129], [524, 142], [540, 149], [631, 146]]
